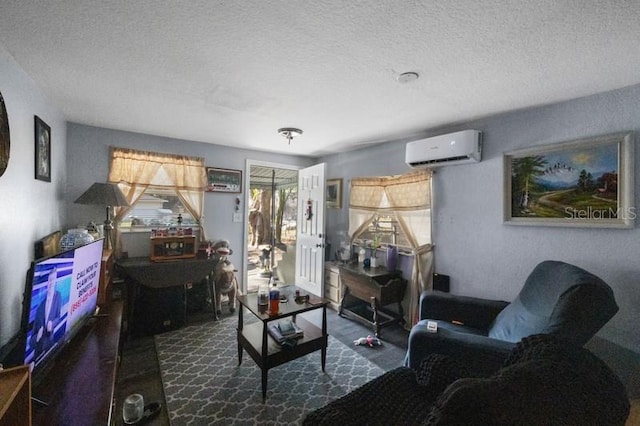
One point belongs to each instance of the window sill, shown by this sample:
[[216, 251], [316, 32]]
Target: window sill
[[143, 230]]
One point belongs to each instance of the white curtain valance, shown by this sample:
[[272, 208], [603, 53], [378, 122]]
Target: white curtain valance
[[407, 197], [157, 169], [410, 191]]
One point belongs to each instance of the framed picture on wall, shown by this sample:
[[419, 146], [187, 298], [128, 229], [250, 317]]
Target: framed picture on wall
[[334, 193], [581, 183], [4, 137], [224, 180], [42, 150]]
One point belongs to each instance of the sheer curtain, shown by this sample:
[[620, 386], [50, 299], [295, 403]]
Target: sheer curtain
[[407, 197], [134, 171]]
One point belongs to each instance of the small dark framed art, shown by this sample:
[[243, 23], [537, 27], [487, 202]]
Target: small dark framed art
[[43, 150], [334, 193], [4, 137], [224, 180]]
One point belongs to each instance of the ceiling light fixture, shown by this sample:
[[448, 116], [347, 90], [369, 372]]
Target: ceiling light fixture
[[408, 77], [289, 133]]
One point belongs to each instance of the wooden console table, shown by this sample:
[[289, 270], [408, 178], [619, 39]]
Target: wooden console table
[[376, 287], [79, 386]]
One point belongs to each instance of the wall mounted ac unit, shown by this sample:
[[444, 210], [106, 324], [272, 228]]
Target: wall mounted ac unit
[[444, 150]]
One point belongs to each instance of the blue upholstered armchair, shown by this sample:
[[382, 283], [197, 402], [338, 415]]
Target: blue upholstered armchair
[[557, 298]]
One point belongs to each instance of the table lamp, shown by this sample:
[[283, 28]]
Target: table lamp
[[105, 194]]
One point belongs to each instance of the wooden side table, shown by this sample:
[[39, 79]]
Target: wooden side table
[[264, 350], [373, 288]]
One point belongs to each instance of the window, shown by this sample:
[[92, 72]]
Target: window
[[387, 228], [157, 207], [378, 205], [161, 189]]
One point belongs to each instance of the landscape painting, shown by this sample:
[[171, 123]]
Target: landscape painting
[[578, 183]]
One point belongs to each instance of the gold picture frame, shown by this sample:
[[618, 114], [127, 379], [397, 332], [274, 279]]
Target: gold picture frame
[[334, 193], [581, 183]]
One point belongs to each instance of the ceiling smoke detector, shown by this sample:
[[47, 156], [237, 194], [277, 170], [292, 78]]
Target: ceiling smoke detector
[[289, 133]]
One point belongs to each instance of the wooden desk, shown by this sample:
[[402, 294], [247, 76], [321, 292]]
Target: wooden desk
[[80, 384], [375, 287], [161, 283]]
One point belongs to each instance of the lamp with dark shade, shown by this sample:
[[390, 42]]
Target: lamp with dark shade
[[105, 194]]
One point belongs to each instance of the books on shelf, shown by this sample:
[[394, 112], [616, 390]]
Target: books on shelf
[[284, 329], [288, 328]]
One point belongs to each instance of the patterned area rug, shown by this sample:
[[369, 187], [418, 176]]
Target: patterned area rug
[[204, 385]]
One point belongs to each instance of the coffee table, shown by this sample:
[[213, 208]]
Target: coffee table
[[265, 351]]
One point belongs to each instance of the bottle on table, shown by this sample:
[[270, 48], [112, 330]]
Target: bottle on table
[[263, 295], [274, 299]]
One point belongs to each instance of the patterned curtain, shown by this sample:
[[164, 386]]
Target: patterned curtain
[[407, 197]]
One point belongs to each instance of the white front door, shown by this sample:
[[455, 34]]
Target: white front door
[[310, 230]]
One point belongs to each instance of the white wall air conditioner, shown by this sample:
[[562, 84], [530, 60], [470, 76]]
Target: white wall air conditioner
[[445, 150]]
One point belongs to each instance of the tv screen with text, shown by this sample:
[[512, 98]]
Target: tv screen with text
[[63, 292]]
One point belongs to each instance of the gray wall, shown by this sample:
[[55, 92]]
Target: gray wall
[[30, 208], [488, 259], [88, 162]]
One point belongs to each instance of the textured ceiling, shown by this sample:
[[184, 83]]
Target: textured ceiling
[[233, 72]]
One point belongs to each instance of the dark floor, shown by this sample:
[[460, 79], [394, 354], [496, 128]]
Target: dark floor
[[139, 370]]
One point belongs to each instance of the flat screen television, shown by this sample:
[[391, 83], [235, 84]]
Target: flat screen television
[[61, 295]]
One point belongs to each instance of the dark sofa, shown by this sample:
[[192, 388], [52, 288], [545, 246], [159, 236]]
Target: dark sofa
[[544, 381]]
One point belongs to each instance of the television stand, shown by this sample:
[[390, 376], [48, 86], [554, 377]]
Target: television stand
[[81, 384]]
